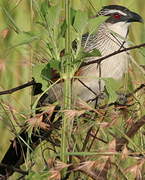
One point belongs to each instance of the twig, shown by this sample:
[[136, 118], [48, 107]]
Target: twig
[[86, 139], [87, 87], [99, 60], [10, 91], [131, 132], [136, 90], [14, 169]]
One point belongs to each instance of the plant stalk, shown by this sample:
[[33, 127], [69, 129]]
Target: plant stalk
[[67, 83]]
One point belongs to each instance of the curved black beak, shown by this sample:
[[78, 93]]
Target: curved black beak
[[134, 17]]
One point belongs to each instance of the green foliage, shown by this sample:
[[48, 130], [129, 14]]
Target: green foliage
[[54, 64], [93, 23], [11, 20], [24, 38], [50, 20], [111, 86], [42, 74], [36, 31], [37, 175], [80, 22], [94, 53], [52, 17]]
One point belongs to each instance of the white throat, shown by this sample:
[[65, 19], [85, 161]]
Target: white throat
[[121, 28]]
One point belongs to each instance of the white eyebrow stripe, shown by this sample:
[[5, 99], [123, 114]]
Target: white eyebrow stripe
[[115, 11]]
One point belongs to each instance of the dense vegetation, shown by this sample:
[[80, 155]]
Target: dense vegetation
[[105, 142]]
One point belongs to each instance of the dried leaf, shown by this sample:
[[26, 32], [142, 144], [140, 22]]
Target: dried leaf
[[49, 110], [50, 163], [83, 105], [55, 171], [4, 33], [37, 122], [129, 122], [104, 124], [108, 124], [112, 146], [124, 153], [86, 166], [104, 170], [55, 175], [89, 168], [71, 114], [136, 169]]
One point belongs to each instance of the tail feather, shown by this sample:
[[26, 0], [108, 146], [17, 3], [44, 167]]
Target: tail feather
[[17, 151]]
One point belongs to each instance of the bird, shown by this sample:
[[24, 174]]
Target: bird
[[111, 36]]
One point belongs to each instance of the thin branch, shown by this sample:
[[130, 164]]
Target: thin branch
[[136, 90], [112, 54], [135, 127], [87, 87], [86, 139], [130, 133], [14, 169], [10, 91]]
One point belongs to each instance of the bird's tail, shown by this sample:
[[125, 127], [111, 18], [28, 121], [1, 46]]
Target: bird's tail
[[17, 151]]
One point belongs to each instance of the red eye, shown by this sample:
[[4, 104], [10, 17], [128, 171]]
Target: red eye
[[117, 16]]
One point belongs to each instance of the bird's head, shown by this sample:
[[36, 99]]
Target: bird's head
[[118, 13], [119, 18]]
